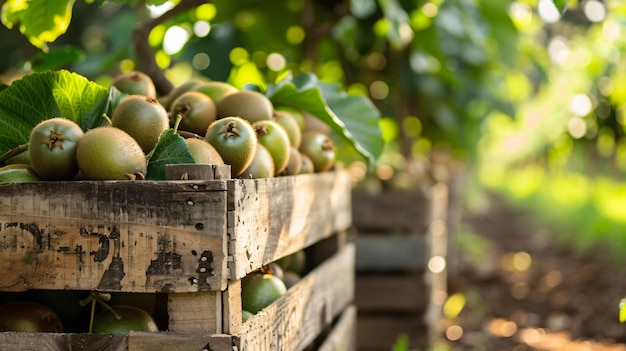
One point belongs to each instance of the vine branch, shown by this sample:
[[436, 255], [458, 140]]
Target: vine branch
[[145, 53]]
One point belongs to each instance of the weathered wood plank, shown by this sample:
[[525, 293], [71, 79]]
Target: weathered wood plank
[[142, 341], [388, 293], [62, 342], [343, 335], [402, 212], [271, 218], [134, 341], [294, 320], [195, 313], [113, 236], [388, 253], [378, 333]]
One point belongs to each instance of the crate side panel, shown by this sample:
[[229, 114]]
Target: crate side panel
[[403, 293], [407, 212], [271, 218], [342, 337], [294, 321], [112, 236], [62, 342]]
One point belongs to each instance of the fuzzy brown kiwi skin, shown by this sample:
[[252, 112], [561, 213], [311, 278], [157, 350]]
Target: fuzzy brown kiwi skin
[[273, 136], [203, 152], [247, 104], [319, 148], [262, 165], [197, 111], [143, 118], [52, 148], [109, 153], [135, 82], [235, 140]]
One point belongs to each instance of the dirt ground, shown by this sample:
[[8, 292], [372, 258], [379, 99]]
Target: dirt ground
[[522, 292]]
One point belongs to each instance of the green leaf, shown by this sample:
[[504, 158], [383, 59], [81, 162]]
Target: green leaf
[[40, 96], [622, 310], [561, 5], [56, 58], [41, 21], [353, 118], [170, 149]]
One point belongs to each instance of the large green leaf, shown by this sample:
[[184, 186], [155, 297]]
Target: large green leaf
[[40, 96], [170, 149], [41, 21], [353, 118]]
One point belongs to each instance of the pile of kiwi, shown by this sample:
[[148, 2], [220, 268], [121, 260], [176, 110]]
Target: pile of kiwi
[[220, 125]]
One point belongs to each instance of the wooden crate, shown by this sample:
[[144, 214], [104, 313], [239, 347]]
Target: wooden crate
[[191, 240], [401, 281]]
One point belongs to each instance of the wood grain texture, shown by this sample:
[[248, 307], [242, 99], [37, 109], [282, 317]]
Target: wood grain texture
[[271, 218], [135, 341], [342, 337], [294, 320], [148, 236], [390, 253], [378, 333], [392, 212], [389, 293]]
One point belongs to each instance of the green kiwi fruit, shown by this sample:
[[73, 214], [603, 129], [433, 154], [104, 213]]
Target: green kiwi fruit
[[247, 104], [143, 118], [135, 82], [109, 153], [274, 137], [235, 140], [52, 148]]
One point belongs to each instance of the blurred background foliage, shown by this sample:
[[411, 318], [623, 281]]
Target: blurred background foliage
[[527, 100]]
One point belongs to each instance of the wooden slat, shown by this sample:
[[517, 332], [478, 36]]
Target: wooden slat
[[135, 341], [391, 211], [378, 333], [343, 335], [271, 218], [294, 320], [196, 313], [387, 253], [143, 236], [405, 293]]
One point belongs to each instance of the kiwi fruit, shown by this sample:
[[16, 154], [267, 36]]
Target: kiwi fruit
[[197, 111], [18, 174], [131, 318], [274, 137], [247, 104], [235, 140], [294, 166], [28, 316], [297, 114], [291, 126], [189, 85], [215, 90], [319, 148], [109, 153], [262, 165], [52, 148], [260, 290], [135, 82], [203, 152], [307, 164], [143, 118]]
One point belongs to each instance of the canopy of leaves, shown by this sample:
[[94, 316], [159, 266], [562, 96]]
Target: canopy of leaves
[[41, 96]]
